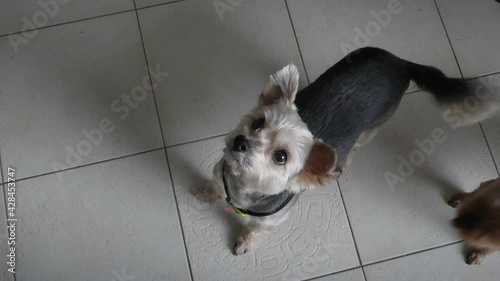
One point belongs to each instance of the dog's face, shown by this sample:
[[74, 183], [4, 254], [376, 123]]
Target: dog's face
[[272, 148], [479, 216]]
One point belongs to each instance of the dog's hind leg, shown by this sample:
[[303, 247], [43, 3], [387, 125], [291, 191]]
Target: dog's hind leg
[[347, 163], [366, 137]]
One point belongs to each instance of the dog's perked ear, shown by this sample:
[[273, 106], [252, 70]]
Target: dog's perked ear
[[283, 84], [320, 164]]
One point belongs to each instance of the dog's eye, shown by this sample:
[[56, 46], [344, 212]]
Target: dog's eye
[[280, 157], [258, 124]]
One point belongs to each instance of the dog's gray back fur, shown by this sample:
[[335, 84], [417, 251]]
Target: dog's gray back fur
[[362, 91]]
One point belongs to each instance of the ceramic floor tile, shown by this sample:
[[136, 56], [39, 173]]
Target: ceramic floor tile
[[105, 221], [316, 239], [396, 189], [352, 275], [490, 126], [4, 240], [145, 3], [219, 61], [473, 40], [75, 95], [328, 30], [443, 264], [25, 15]]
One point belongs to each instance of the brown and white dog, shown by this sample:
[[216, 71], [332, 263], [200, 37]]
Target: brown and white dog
[[478, 219]]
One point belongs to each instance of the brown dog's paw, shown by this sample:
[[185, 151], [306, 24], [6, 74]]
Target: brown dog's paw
[[208, 194], [335, 174], [241, 247], [456, 199], [475, 257]]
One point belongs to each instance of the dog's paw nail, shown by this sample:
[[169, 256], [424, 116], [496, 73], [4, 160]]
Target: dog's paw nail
[[475, 258], [455, 200], [453, 203], [241, 247]]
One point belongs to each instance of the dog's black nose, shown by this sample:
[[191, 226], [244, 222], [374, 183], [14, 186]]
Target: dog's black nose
[[241, 144]]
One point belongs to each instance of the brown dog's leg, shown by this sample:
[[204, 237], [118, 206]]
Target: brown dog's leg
[[456, 199], [476, 256]]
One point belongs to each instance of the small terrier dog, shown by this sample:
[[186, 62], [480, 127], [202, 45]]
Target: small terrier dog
[[293, 142], [478, 220]]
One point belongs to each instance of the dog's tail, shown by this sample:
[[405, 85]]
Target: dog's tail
[[479, 103], [433, 80]]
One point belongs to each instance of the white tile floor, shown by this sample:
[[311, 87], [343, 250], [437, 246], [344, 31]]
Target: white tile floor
[[123, 210]]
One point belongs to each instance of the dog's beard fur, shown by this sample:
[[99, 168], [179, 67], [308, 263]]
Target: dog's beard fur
[[282, 130]]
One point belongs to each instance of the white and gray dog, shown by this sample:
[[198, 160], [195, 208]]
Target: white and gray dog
[[293, 142]]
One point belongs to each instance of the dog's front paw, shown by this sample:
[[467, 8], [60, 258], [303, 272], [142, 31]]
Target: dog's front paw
[[475, 257], [208, 194], [456, 199], [335, 173], [241, 247]]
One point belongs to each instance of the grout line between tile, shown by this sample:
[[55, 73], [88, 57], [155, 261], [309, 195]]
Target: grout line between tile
[[179, 216], [156, 5], [89, 18], [114, 158], [297, 41], [482, 75], [333, 273], [412, 92], [67, 22], [164, 148], [149, 76], [489, 148], [350, 228], [412, 253], [85, 165], [448, 37]]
